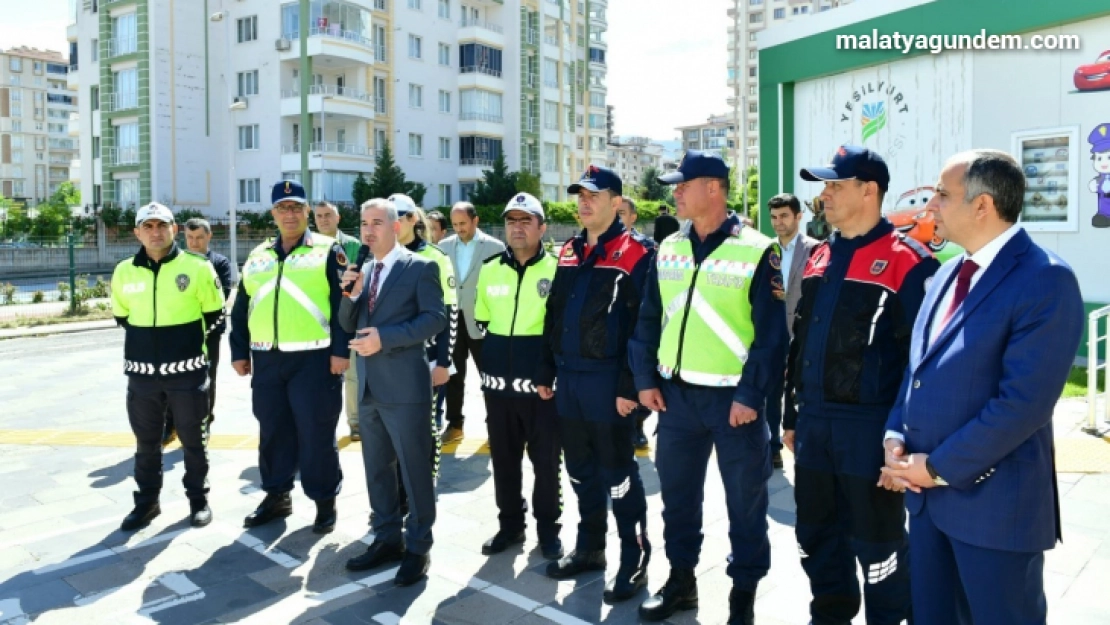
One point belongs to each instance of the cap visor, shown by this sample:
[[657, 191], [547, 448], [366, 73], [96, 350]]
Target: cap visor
[[821, 174], [578, 186], [674, 177]]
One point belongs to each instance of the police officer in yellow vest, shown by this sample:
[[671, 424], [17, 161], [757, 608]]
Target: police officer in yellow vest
[[511, 301], [285, 333], [710, 338], [166, 299]]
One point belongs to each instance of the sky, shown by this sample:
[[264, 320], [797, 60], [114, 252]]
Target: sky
[[667, 67]]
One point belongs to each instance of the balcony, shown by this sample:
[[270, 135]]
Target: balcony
[[531, 81], [480, 77], [330, 155], [120, 46], [74, 124], [341, 101], [118, 102], [530, 124], [487, 124], [482, 32], [330, 47], [121, 157]]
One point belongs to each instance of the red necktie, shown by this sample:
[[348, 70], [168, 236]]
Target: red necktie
[[372, 297], [963, 285]]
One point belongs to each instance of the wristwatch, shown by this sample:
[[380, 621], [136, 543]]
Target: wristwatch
[[937, 479]]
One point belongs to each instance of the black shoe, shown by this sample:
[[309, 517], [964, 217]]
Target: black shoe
[[576, 563], [377, 554], [141, 516], [641, 438], [355, 436], [199, 514], [501, 541], [325, 516], [552, 549], [413, 569], [626, 584], [776, 459], [274, 506], [741, 607], [679, 593]]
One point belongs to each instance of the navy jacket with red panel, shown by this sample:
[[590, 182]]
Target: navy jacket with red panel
[[852, 327], [594, 304]]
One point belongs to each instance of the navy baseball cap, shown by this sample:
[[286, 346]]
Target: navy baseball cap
[[851, 162], [697, 164], [288, 190], [597, 179]]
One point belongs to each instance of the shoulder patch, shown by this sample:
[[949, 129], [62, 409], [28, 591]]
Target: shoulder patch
[[915, 245], [775, 259], [341, 256], [778, 291]]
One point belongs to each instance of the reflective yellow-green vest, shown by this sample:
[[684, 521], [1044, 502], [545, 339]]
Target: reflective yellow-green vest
[[707, 317], [446, 272], [290, 309], [165, 311], [512, 304]]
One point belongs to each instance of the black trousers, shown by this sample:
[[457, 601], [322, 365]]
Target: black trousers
[[149, 399], [456, 385], [212, 344], [517, 424]]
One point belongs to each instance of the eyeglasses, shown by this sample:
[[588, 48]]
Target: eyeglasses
[[289, 209]]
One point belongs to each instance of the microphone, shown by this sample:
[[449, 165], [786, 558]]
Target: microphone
[[360, 260]]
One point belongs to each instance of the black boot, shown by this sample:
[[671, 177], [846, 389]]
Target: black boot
[[141, 516], [274, 506], [741, 607], [200, 514], [679, 593], [628, 582], [576, 563], [325, 516], [502, 540]]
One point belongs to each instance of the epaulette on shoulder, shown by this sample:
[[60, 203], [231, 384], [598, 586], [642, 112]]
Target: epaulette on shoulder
[[915, 245], [493, 257]]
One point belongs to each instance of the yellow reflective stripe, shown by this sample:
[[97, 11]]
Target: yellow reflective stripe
[[291, 289], [263, 291], [719, 327], [676, 304]]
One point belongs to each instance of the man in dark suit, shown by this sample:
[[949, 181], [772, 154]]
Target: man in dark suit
[[786, 217], [395, 305], [198, 236], [971, 432]]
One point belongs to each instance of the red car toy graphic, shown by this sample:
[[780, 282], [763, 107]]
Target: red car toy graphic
[[1094, 76]]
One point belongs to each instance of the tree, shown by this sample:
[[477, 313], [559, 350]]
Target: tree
[[527, 182], [53, 214], [360, 192], [388, 179], [497, 186], [650, 187]]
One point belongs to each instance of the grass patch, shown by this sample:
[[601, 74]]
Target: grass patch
[[87, 314], [1076, 386]]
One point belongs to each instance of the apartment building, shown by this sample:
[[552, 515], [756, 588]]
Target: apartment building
[[717, 133], [631, 157], [746, 19], [35, 106], [200, 111]]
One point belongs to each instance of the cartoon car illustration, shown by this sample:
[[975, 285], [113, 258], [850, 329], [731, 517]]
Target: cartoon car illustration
[[1094, 76], [910, 218]]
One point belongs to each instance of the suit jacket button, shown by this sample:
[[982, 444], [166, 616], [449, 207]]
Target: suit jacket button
[[917, 383]]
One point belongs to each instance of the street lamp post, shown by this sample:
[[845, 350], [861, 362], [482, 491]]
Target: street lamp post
[[324, 97]]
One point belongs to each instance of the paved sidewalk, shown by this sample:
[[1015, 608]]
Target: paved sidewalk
[[66, 485]]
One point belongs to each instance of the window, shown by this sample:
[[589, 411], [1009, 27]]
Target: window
[[248, 83], [247, 28], [477, 104], [466, 189], [444, 148], [444, 54], [779, 14], [416, 145], [248, 137], [751, 36], [551, 115], [751, 90], [755, 18], [1050, 159], [15, 64], [444, 101], [379, 44], [445, 9], [416, 96], [474, 57], [753, 55], [550, 73], [752, 126], [127, 191], [416, 46], [597, 121], [379, 139], [445, 195], [755, 3], [127, 144], [250, 190], [379, 95], [597, 55], [481, 151], [597, 100], [415, 4], [124, 35], [550, 157], [752, 71], [127, 89]]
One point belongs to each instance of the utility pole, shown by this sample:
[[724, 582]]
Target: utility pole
[[306, 80]]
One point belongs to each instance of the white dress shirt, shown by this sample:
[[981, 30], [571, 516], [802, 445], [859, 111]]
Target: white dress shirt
[[788, 258], [984, 257], [387, 264]]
